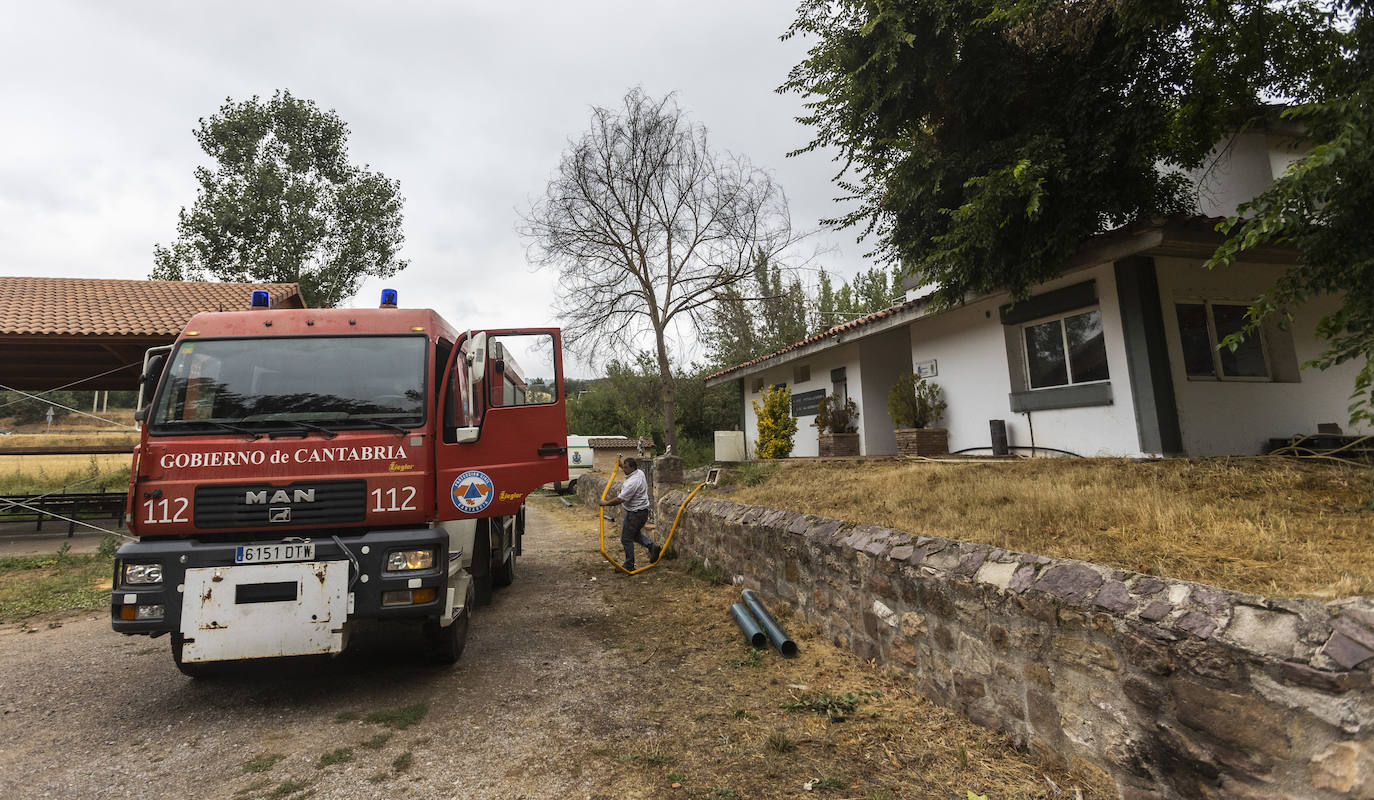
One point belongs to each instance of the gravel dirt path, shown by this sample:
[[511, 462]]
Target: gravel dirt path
[[87, 713]]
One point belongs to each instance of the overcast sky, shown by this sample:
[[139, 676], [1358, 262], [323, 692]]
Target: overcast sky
[[469, 105]]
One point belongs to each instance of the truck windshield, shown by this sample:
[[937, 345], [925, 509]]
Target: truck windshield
[[260, 384]]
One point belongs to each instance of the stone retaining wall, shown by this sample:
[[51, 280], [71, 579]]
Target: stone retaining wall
[[1167, 688]]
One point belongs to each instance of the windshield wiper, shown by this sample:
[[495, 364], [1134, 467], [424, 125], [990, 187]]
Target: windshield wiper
[[301, 426], [222, 426], [383, 424]]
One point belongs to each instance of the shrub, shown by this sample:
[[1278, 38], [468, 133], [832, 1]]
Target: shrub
[[914, 402], [835, 417], [776, 423]]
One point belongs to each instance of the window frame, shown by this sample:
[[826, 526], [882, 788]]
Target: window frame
[[1064, 342], [1214, 342]]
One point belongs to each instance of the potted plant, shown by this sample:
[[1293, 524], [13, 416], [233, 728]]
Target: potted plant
[[915, 405], [838, 427]]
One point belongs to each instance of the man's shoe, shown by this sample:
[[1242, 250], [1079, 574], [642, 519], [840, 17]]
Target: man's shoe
[[654, 553]]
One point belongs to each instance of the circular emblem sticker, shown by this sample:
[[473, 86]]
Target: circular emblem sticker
[[472, 491], [577, 458]]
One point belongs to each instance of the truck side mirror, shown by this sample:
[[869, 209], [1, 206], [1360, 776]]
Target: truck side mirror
[[478, 353], [153, 370], [147, 382]]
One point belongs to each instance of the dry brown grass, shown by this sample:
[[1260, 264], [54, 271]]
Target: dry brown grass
[[707, 711], [1268, 526], [81, 473], [66, 439], [110, 419], [74, 430]]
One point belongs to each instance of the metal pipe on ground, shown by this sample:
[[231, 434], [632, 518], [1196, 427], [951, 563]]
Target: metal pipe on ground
[[749, 626], [770, 625]]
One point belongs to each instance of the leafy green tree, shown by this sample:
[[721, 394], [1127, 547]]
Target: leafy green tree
[[772, 316], [282, 204], [777, 426], [985, 140], [26, 408], [1321, 206], [824, 315], [625, 403], [871, 290], [733, 335]]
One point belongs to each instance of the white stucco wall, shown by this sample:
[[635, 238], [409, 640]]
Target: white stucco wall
[[1239, 417], [969, 345], [1239, 170], [805, 442], [882, 358]]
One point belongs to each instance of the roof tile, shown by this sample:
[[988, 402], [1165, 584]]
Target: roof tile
[[103, 307]]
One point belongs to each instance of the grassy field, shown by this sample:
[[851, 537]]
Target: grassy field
[[77, 473], [55, 584], [1270, 526], [114, 429]]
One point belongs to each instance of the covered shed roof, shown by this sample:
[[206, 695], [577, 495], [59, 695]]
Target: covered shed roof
[[85, 333]]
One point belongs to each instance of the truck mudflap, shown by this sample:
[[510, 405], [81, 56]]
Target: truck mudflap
[[264, 610]]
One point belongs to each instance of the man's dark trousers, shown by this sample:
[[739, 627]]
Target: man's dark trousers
[[631, 531]]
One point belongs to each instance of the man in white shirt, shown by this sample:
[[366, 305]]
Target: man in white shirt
[[634, 495]]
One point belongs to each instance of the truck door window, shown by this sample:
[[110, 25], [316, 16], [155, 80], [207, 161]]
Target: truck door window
[[520, 370], [461, 409]]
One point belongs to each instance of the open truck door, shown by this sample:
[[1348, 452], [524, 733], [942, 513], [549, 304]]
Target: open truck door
[[504, 422]]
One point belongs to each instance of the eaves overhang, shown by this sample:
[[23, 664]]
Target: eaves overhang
[[1180, 237], [871, 325]]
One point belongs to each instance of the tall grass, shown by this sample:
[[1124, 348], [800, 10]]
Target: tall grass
[[76, 473], [1267, 526]]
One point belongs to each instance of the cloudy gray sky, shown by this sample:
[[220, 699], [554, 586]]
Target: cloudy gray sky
[[467, 104]]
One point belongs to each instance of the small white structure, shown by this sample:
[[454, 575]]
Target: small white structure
[[1115, 357]]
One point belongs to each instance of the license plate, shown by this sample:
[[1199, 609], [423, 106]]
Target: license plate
[[272, 553]]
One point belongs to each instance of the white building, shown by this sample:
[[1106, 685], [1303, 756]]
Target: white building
[[1115, 357]]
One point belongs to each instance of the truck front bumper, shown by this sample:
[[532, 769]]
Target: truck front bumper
[[193, 572]]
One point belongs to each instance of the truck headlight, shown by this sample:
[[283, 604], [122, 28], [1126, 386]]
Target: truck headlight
[[402, 560], [143, 573]]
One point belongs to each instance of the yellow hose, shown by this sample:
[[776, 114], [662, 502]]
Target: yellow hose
[[663, 548]]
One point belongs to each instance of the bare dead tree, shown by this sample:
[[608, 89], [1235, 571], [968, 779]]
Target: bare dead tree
[[646, 226]]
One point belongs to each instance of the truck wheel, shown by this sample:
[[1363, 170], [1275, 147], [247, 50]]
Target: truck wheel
[[505, 574], [481, 564], [446, 644], [194, 669]]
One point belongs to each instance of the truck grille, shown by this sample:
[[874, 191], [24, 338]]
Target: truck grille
[[293, 505]]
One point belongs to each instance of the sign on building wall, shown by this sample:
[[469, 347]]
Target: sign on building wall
[[927, 369], [806, 403]]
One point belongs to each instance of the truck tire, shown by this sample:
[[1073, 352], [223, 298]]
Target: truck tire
[[446, 644], [193, 669], [505, 574], [481, 564]]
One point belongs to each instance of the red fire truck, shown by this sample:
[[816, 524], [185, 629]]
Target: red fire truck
[[301, 470]]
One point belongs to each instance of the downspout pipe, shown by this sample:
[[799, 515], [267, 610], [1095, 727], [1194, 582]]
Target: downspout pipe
[[776, 634], [757, 638]]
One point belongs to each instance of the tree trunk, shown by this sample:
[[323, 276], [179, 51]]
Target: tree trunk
[[665, 376]]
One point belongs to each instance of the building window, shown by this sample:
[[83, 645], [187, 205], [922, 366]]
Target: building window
[[756, 386], [801, 373], [1065, 351], [1201, 328]]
